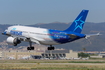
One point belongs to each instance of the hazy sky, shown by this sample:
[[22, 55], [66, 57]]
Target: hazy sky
[[48, 11]]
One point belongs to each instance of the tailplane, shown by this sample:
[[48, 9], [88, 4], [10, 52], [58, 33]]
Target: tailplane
[[78, 23]]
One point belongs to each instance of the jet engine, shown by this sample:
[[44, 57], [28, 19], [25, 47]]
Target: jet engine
[[13, 41]]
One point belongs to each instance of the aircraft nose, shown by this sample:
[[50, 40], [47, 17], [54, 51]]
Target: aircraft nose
[[4, 33]]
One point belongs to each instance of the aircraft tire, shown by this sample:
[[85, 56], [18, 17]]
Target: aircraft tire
[[53, 48], [32, 48], [50, 48], [28, 48]]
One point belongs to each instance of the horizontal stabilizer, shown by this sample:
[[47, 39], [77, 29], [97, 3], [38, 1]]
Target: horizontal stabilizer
[[89, 35]]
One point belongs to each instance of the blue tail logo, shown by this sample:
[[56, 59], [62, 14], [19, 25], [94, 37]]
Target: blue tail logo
[[78, 23]]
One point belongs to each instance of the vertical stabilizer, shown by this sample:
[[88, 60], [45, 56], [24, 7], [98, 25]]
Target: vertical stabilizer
[[78, 23]]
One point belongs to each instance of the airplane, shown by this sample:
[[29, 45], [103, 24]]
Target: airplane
[[18, 33]]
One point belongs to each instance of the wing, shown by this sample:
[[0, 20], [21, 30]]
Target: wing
[[33, 39]]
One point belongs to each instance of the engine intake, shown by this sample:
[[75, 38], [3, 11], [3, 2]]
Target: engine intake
[[13, 41]]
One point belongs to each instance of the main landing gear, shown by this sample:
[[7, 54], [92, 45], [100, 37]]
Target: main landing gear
[[51, 48], [31, 47]]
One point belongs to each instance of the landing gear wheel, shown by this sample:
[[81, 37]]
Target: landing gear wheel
[[30, 48], [50, 48], [53, 48]]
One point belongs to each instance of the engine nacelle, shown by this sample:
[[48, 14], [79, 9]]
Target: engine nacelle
[[13, 41]]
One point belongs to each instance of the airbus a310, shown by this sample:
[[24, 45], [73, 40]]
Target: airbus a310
[[44, 36]]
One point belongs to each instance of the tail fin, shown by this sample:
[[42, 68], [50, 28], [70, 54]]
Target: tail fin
[[78, 23]]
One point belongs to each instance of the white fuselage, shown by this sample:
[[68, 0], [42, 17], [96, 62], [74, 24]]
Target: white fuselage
[[37, 35]]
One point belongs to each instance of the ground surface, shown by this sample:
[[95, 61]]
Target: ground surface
[[53, 64]]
